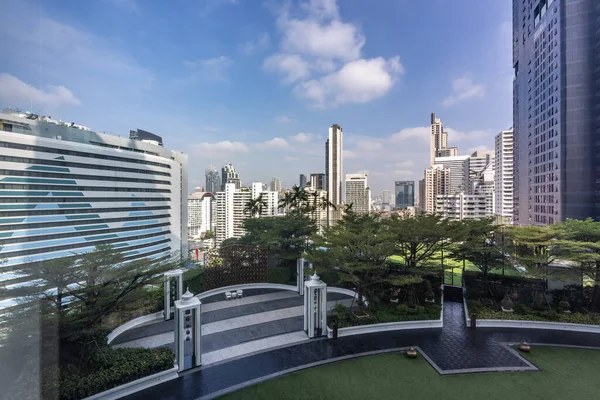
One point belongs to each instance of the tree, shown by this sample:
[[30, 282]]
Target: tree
[[255, 207], [358, 247], [534, 246], [478, 245], [419, 238], [286, 201], [579, 241], [299, 198], [287, 237]]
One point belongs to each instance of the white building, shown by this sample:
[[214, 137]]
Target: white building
[[334, 165], [65, 189], [436, 182], [270, 197], [504, 175], [200, 213], [276, 185], [230, 212], [461, 206], [319, 215], [459, 172], [358, 193]]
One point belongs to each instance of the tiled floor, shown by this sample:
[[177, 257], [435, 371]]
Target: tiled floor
[[453, 349], [236, 327]]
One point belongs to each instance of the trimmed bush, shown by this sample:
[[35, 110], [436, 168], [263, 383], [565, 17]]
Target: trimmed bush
[[114, 367], [192, 279]]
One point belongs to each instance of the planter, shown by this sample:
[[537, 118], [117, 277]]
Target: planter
[[506, 305], [524, 347], [361, 314], [411, 353], [565, 306], [430, 301]]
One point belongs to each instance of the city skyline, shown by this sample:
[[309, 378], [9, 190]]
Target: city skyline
[[203, 100]]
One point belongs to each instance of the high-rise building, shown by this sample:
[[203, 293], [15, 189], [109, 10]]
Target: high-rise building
[[270, 198], [200, 213], [478, 162], [319, 214], [555, 106], [276, 185], [482, 184], [229, 175], [358, 193], [66, 189], [334, 165], [386, 197], [461, 206], [438, 141], [405, 194], [437, 182], [317, 181], [503, 177], [422, 194], [230, 212], [459, 172], [213, 180], [302, 181]]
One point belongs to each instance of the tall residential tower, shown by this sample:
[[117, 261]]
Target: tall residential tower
[[555, 109], [334, 167]]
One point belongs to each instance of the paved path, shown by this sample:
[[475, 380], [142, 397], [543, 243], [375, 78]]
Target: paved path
[[237, 327], [453, 349]]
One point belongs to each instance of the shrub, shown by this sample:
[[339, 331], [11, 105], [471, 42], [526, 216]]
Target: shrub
[[114, 367], [402, 308], [192, 279]]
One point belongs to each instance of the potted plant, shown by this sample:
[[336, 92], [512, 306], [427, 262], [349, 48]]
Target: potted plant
[[565, 306], [506, 304], [429, 295], [395, 297], [514, 296]]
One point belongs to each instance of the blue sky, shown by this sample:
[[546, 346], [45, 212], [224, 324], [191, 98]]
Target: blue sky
[[257, 83]]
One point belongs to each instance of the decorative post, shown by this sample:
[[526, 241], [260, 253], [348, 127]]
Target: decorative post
[[188, 328], [300, 275], [315, 307], [173, 289]]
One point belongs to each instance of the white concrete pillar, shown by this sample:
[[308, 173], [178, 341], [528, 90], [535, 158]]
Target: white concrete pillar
[[300, 275], [188, 328], [315, 307], [173, 289]]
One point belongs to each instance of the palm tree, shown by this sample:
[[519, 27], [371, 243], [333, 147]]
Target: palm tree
[[286, 202], [255, 206], [299, 198]]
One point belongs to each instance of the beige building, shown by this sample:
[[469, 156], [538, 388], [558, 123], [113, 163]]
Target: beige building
[[437, 182], [334, 168], [358, 193]]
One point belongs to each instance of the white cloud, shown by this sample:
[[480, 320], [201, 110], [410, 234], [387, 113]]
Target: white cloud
[[404, 164], [463, 89], [292, 66], [322, 8], [253, 46], [369, 145], [459, 136], [332, 40], [275, 143], [303, 137], [420, 133], [17, 93], [359, 81], [214, 69], [483, 148], [317, 44], [404, 172], [283, 119], [349, 154], [216, 150]]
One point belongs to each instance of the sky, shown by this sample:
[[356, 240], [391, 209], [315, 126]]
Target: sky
[[258, 83]]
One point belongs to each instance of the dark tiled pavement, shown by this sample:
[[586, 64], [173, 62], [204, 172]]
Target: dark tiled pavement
[[223, 314], [452, 348]]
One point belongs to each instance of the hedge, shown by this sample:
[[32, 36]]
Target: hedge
[[114, 367], [524, 313]]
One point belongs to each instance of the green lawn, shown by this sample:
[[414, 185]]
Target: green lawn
[[565, 374]]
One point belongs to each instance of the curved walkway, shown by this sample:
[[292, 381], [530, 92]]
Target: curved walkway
[[453, 349]]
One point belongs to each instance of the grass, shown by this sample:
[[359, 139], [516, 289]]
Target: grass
[[565, 374]]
